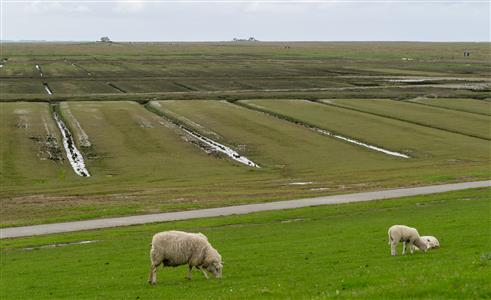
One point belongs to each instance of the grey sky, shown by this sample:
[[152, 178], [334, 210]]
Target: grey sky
[[211, 21]]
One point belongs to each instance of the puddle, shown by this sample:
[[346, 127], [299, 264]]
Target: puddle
[[293, 220], [47, 89], [38, 67], [59, 245], [301, 183], [407, 80], [73, 154]]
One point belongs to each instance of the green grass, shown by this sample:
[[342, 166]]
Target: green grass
[[153, 67], [467, 105], [420, 142], [141, 165], [453, 121], [337, 251]]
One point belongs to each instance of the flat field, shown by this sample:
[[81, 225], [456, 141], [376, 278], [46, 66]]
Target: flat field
[[112, 96], [467, 105], [453, 121], [318, 252]]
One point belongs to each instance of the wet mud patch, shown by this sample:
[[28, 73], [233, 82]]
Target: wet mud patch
[[59, 245]]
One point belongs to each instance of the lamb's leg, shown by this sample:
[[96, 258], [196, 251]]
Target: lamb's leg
[[411, 247], [204, 271], [403, 248], [393, 248], [152, 277], [190, 276]]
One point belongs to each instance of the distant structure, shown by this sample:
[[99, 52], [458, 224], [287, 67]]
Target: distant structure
[[467, 54], [105, 39], [251, 39]]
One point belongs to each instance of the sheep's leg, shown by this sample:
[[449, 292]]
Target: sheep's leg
[[204, 272], [189, 276], [411, 247], [393, 248], [403, 248], [152, 277]]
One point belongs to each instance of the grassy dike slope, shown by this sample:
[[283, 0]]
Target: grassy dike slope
[[320, 252]]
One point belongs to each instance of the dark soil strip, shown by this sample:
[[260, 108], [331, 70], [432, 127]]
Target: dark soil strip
[[184, 86], [116, 87], [402, 120]]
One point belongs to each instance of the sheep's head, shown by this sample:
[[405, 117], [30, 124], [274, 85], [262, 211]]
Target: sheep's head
[[215, 268]]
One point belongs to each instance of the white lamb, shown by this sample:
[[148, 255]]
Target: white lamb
[[431, 242], [175, 248], [405, 234]]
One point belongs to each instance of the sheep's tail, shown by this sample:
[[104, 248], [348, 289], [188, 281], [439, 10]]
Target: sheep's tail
[[390, 238]]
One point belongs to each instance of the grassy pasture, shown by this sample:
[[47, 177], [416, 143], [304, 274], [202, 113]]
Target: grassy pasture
[[144, 169], [454, 121], [423, 143], [337, 251], [240, 66], [29, 157], [467, 105], [140, 165]]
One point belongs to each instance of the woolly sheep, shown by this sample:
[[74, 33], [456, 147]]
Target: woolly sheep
[[431, 242], [405, 234], [175, 248]]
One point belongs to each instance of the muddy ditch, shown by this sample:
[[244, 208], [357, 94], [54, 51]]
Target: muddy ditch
[[206, 144], [78, 67], [73, 154], [116, 87], [322, 131]]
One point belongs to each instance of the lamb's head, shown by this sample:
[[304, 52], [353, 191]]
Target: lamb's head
[[421, 244], [213, 263]]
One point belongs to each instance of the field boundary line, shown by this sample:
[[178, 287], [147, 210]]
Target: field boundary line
[[446, 108], [399, 119], [52, 228]]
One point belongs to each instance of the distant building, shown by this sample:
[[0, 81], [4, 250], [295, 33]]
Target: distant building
[[105, 39], [251, 39]]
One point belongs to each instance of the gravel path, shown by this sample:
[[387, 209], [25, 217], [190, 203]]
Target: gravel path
[[231, 210]]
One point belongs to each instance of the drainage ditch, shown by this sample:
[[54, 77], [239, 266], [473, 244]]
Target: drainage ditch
[[205, 143], [73, 154]]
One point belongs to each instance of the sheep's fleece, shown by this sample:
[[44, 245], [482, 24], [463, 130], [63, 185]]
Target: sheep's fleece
[[175, 248]]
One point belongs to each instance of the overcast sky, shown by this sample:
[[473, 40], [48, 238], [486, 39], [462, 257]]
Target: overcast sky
[[343, 20]]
